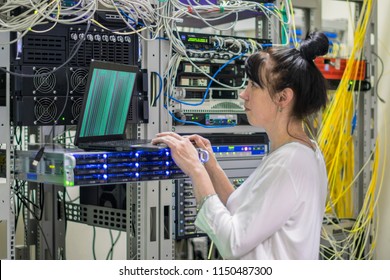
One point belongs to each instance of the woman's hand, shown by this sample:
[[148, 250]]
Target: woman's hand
[[204, 144], [183, 152]]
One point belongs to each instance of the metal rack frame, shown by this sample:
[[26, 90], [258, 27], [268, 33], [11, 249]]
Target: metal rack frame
[[7, 219]]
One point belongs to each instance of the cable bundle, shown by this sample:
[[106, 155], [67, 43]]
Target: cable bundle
[[337, 143], [176, 11], [25, 15], [339, 121], [358, 241]]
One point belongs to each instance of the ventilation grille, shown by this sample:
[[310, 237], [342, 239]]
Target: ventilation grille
[[45, 42], [40, 49], [45, 110], [39, 56], [78, 80], [97, 216], [44, 83], [77, 103], [226, 105], [104, 51]]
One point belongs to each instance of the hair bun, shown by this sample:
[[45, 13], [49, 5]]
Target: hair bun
[[315, 44]]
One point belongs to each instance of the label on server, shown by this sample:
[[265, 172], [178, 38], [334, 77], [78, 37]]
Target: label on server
[[221, 119]]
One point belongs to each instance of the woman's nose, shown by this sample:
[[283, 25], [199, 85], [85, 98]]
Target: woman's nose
[[243, 94]]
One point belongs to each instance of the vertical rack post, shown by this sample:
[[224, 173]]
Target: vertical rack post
[[7, 217]]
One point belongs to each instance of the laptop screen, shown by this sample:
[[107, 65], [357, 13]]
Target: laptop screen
[[106, 102]]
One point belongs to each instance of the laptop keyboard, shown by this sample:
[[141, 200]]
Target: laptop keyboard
[[121, 145]]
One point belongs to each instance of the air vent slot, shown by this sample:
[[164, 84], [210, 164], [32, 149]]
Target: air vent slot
[[38, 56], [45, 42]]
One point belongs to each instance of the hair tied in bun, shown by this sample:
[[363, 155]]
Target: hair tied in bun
[[315, 44]]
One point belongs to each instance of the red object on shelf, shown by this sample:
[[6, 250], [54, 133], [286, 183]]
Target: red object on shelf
[[333, 68]]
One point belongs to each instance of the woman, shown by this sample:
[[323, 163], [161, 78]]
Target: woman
[[277, 212]]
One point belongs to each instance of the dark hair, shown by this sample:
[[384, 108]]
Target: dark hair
[[280, 68]]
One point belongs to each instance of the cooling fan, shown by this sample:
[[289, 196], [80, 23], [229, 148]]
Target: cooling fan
[[45, 110], [45, 81], [77, 102], [78, 80]]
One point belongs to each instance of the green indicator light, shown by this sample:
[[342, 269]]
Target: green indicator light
[[67, 183], [63, 118], [71, 184], [197, 40], [231, 147]]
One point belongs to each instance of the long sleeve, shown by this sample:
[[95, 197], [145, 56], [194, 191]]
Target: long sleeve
[[267, 206]]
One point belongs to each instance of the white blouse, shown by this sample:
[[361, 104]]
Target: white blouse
[[276, 213]]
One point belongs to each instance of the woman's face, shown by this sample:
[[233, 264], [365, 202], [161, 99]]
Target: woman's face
[[259, 106]]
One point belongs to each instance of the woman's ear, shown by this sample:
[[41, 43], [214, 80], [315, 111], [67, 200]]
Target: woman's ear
[[284, 98]]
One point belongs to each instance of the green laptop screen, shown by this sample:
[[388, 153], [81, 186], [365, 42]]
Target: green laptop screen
[[107, 104]]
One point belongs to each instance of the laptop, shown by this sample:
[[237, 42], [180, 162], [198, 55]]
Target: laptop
[[106, 104]]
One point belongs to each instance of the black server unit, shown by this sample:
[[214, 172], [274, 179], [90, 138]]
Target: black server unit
[[44, 94]]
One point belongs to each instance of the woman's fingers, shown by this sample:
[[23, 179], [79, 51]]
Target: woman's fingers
[[204, 144], [172, 134], [182, 150], [198, 140], [174, 141], [167, 139], [201, 142]]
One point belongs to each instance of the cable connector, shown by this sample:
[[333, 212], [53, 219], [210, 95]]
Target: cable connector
[[38, 156]]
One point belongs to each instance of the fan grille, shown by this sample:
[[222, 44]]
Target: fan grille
[[44, 83], [76, 108], [78, 80], [45, 110]]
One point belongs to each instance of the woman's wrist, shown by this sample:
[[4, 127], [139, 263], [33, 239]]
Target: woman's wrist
[[211, 165], [213, 168], [198, 171]]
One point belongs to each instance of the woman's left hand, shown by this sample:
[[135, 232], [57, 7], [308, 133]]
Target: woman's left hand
[[183, 151]]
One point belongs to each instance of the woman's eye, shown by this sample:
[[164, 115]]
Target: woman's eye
[[253, 84]]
